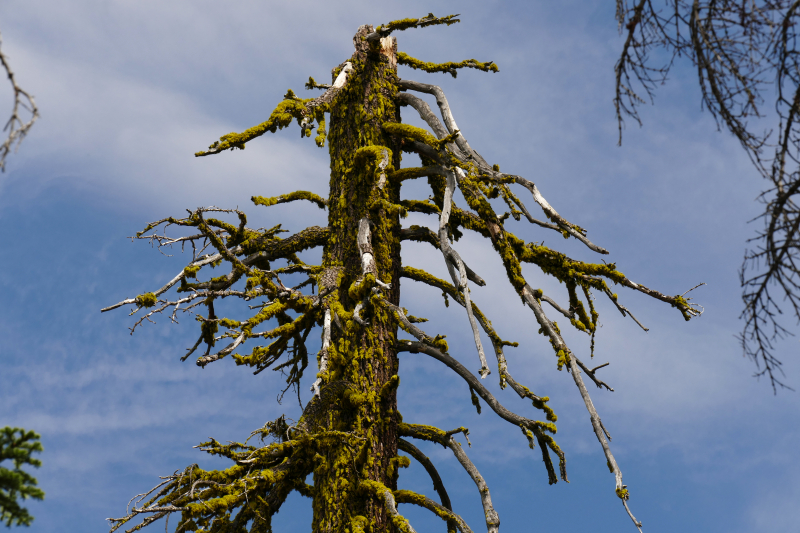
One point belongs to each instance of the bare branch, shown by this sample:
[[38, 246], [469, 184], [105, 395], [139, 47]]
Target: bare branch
[[423, 234], [472, 381], [492, 518], [425, 113], [497, 342], [452, 258], [326, 343], [426, 463], [743, 53], [472, 155], [16, 126], [447, 115], [536, 427], [571, 361], [446, 438]]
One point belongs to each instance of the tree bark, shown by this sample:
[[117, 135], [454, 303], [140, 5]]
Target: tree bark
[[362, 355]]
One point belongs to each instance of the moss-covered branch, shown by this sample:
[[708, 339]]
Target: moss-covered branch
[[418, 172], [252, 489], [384, 30], [445, 513], [290, 108], [450, 67], [291, 197], [382, 492]]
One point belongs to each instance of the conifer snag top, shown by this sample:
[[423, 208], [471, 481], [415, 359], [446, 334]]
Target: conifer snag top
[[350, 434]]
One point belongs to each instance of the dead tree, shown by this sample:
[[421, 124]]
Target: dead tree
[[350, 434], [742, 52]]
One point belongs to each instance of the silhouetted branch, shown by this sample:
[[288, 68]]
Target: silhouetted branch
[[16, 127]]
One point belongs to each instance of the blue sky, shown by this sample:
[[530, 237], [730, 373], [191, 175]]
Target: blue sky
[[128, 91]]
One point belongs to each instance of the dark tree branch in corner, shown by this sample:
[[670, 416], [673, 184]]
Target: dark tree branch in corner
[[16, 126], [743, 53]]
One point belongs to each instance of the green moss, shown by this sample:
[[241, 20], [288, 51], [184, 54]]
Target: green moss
[[312, 84], [290, 108], [404, 24], [529, 435], [263, 356], [396, 463], [583, 322], [321, 134], [147, 299], [208, 329], [542, 404], [475, 400], [449, 67], [354, 398], [408, 173], [563, 359], [191, 271], [359, 524], [440, 344], [683, 306], [511, 200], [421, 431], [228, 323], [389, 389], [407, 131], [421, 206], [291, 197]]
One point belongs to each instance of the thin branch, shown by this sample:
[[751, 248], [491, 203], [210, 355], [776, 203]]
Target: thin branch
[[447, 115], [16, 126], [452, 258], [537, 428], [599, 430], [491, 516], [423, 234], [326, 344], [426, 463], [447, 439]]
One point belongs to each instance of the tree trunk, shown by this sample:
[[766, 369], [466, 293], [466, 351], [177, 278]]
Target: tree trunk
[[362, 359]]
